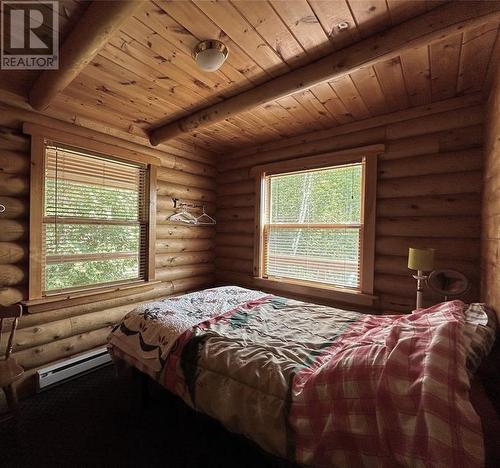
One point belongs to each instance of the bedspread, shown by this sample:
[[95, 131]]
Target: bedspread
[[329, 387]]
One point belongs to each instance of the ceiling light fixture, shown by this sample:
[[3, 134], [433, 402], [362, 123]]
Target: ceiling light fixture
[[210, 55]]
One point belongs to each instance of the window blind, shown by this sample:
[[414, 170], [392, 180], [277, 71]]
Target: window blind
[[95, 220], [313, 226]]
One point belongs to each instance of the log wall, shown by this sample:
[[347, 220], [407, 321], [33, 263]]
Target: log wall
[[428, 195], [491, 203], [184, 254]]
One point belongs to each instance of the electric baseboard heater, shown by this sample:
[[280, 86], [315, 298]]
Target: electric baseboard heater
[[72, 368]]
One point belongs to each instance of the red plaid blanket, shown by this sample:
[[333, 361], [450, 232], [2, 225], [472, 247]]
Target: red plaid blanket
[[390, 391], [327, 387]]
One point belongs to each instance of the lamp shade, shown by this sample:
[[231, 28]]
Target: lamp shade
[[420, 259]]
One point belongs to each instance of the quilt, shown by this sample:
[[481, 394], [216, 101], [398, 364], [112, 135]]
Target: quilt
[[323, 386]]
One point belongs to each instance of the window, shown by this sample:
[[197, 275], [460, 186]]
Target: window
[[313, 226], [92, 217], [95, 221], [316, 225]]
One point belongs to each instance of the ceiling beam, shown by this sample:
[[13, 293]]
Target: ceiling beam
[[92, 32], [438, 24]]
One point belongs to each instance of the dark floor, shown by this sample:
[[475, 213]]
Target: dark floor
[[97, 420]]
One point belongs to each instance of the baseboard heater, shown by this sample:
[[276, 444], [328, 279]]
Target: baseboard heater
[[71, 368]]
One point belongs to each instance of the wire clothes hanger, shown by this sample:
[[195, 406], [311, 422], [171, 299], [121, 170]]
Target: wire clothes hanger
[[204, 218], [186, 217]]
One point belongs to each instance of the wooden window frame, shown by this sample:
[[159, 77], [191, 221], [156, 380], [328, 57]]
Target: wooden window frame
[[368, 156], [40, 137]]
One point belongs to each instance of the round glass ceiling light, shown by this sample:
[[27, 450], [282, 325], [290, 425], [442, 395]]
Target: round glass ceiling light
[[210, 55]]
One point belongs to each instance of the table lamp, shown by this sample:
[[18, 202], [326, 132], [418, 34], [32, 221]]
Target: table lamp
[[421, 260]]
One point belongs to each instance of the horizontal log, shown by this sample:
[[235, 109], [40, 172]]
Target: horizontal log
[[446, 121], [165, 231], [236, 188], [29, 320], [184, 271], [363, 138], [11, 252], [12, 275], [237, 175], [439, 184], [464, 117], [234, 240], [238, 253], [14, 162], [439, 226], [52, 331], [194, 283], [235, 214], [181, 245], [394, 304], [453, 249], [467, 204], [356, 127], [11, 230], [235, 227], [165, 204], [439, 163], [181, 191], [193, 167], [438, 142], [183, 178], [14, 207], [13, 140], [43, 354], [404, 286], [235, 201], [13, 184], [171, 155], [232, 264], [11, 295], [398, 265], [185, 258]]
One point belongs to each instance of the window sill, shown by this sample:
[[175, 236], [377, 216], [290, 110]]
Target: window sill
[[345, 296], [69, 299]]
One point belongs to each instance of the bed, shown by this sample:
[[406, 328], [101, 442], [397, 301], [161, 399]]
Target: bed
[[318, 385]]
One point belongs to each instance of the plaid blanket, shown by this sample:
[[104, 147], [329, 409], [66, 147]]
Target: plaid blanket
[[328, 387]]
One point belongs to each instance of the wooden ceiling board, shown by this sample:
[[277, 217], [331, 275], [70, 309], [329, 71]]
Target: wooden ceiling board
[[349, 95], [371, 16], [315, 109], [164, 71], [145, 75], [477, 47], [401, 11], [271, 28], [228, 18], [445, 60], [193, 20], [300, 19], [368, 86], [329, 98], [417, 75], [330, 14], [390, 77]]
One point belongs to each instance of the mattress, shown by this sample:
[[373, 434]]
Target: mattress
[[318, 385]]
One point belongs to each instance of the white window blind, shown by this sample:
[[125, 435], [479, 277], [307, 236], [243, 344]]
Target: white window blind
[[313, 226], [95, 220]]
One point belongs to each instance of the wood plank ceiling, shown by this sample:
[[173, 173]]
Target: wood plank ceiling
[[145, 75]]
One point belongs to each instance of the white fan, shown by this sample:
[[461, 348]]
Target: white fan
[[448, 283]]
